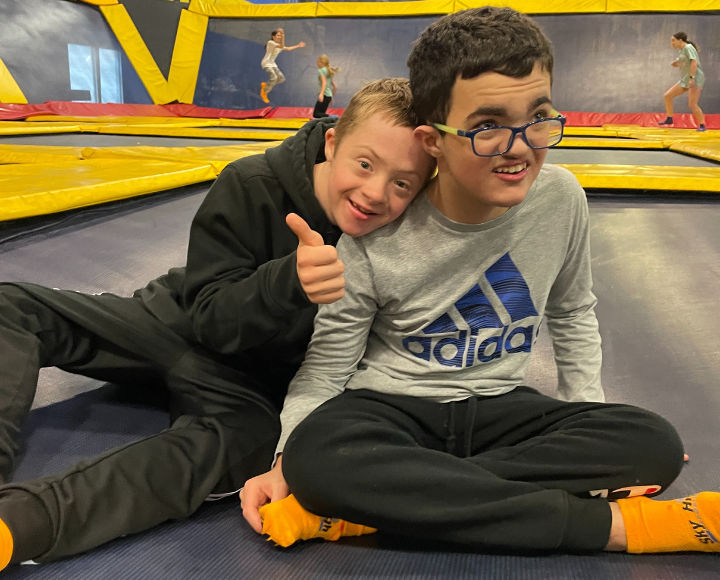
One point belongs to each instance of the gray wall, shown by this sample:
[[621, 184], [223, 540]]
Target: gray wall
[[34, 35]]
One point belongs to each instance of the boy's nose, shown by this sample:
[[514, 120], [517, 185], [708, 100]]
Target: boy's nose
[[519, 145], [374, 192]]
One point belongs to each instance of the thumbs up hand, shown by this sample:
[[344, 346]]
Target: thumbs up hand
[[319, 269]]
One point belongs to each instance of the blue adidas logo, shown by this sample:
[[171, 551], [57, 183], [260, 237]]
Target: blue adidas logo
[[473, 332]]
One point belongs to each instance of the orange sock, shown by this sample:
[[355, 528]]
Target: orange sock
[[263, 94], [687, 524], [286, 522], [6, 545]]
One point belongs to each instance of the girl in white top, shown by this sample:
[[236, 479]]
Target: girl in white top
[[274, 46], [691, 82]]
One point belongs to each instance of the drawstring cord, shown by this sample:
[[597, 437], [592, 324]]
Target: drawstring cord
[[472, 403], [470, 424], [450, 442]]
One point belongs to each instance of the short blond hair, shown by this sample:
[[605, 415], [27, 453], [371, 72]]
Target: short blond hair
[[390, 97]]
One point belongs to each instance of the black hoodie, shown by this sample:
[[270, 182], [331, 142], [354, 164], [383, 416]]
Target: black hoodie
[[239, 294]]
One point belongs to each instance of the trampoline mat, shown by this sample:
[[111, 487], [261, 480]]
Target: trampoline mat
[[97, 140], [623, 157], [655, 267]]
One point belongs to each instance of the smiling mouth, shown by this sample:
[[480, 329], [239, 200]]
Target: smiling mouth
[[511, 168], [361, 209]]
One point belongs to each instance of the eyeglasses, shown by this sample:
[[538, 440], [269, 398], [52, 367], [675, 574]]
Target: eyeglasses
[[492, 141]]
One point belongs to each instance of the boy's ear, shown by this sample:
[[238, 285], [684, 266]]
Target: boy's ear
[[429, 138], [330, 144]]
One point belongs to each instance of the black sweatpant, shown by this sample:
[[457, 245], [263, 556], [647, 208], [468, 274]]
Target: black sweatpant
[[511, 472], [320, 109], [223, 430]]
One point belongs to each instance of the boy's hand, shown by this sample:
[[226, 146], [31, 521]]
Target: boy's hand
[[301, 44], [319, 269], [321, 98], [675, 63], [260, 490]]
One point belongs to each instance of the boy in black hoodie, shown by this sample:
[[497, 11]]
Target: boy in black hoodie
[[225, 334]]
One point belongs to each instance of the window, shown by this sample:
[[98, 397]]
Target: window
[[95, 74]]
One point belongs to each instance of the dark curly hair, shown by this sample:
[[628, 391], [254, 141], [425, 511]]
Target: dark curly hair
[[467, 44]]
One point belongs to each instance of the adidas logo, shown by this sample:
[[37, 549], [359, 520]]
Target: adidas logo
[[474, 331]]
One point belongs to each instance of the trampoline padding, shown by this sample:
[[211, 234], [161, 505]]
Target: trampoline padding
[[217, 543], [647, 177], [23, 128], [39, 189], [609, 143], [207, 133], [699, 149], [648, 363]]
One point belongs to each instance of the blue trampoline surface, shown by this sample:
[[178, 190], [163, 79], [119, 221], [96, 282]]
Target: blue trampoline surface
[[656, 267]]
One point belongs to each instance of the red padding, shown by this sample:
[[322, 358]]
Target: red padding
[[107, 109], [9, 112], [680, 121], [209, 113], [297, 113]]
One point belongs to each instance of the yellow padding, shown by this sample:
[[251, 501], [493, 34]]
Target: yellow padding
[[99, 2], [661, 5], [370, 9], [670, 136], [9, 90], [610, 143], [160, 90], [590, 132], [22, 128], [161, 131], [647, 177], [216, 157], [38, 154], [535, 7], [240, 9], [706, 150], [184, 121], [185, 64], [28, 190], [112, 120], [264, 123]]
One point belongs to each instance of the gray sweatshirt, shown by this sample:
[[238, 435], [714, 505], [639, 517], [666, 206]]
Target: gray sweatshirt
[[445, 311]]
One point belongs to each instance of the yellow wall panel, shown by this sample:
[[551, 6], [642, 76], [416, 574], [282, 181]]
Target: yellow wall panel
[[160, 90], [369, 9], [9, 90], [535, 7], [187, 54], [662, 5], [240, 9]]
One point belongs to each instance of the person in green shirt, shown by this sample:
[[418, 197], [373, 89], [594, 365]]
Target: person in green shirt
[[691, 82], [326, 82]]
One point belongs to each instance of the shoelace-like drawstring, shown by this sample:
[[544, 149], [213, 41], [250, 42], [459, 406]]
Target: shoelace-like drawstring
[[450, 441], [469, 426]]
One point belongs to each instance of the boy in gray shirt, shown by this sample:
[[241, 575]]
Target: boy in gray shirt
[[415, 420]]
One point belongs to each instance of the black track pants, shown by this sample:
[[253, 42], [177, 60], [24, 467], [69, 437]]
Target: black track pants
[[512, 472], [321, 108], [222, 431]]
